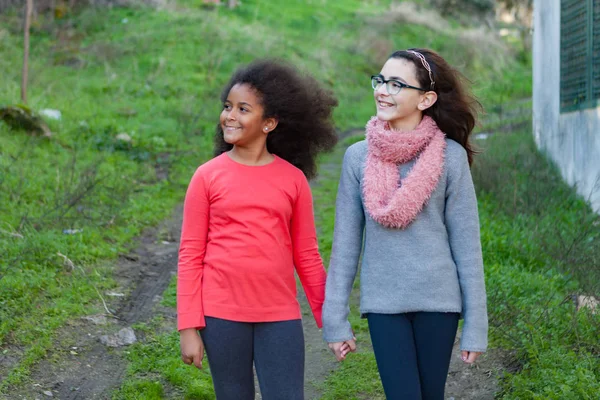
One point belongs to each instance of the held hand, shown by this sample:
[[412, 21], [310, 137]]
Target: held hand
[[192, 347], [341, 349], [469, 356]]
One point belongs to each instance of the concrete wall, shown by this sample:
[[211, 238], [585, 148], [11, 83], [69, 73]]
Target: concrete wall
[[571, 139]]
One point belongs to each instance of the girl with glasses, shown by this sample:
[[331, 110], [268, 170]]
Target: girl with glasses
[[406, 204], [247, 226]]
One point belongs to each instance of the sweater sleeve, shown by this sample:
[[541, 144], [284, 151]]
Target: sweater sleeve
[[462, 224], [346, 249], [190, 313], [307, 259]]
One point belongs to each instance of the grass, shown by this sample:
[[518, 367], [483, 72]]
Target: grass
[[540, 244], [156, 76], [354, 380], [541, 248], [156, 369], [357, 376]]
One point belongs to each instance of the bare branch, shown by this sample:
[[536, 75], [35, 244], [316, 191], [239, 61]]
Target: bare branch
[[13, 234], [28, 13]]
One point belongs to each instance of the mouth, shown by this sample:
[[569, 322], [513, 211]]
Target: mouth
[[231, 128], [384, 104]]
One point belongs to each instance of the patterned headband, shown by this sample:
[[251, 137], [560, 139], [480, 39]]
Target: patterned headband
[[425, 64]]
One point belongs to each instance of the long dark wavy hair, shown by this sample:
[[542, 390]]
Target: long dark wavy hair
[[301, 105], [456, 109]]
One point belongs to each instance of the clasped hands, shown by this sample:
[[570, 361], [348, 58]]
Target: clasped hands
[[341, 349]]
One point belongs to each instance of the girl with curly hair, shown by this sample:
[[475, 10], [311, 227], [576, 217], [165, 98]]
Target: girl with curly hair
[[406, 202], [247, 225]]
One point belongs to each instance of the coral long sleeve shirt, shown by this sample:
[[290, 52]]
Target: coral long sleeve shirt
[[245, 230]]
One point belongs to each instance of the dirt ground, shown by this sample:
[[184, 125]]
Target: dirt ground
[[81, 367]]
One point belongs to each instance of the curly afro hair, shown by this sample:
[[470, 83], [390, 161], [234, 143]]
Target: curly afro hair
[[301, 105]]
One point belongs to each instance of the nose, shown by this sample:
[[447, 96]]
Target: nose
[[382, 90], [230, 115]]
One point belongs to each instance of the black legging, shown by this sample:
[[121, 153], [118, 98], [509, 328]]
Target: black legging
[[413, 352], [275, 348]]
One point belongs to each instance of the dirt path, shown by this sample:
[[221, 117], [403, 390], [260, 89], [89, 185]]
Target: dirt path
[[320, 362], [465, 382], [80, 367]]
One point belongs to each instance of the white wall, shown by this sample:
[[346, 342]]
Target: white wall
[[572, 139], [577, 152]]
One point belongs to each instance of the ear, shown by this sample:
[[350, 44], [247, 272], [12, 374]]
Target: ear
[[269, 124], [427, 100]]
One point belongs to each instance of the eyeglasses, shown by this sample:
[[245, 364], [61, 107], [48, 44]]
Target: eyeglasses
[[392, 85]]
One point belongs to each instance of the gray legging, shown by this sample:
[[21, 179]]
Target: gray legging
[[276, 348]]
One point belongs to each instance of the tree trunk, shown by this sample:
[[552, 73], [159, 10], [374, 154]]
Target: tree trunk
[[28, 12]]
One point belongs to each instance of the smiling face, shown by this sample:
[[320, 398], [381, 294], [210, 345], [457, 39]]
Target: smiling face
[[242, 118], [403, 110]]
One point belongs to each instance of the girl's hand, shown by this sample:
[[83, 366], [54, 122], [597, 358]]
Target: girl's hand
[[469, 356], [341, 349], [192, 347]]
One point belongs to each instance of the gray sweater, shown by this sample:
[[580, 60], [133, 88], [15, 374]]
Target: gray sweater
[[435, 264]]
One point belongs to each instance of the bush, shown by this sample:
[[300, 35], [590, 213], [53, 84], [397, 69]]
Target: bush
[[542, 248], [465, 8]]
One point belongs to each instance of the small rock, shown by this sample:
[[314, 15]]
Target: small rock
[[50, 113], [124, 137], [96, 319], [124, 337], [115, 294], [48, 393], [590, 302]]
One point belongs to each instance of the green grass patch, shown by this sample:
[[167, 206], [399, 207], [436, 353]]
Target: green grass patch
[[138, 90], [528, 217], [356, 378], [156, 370], [540, 244]]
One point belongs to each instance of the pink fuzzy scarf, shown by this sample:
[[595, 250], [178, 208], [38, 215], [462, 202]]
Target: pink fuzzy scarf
[[392, 203]]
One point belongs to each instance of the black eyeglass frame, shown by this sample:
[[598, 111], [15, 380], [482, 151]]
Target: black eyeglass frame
[[385, 82]]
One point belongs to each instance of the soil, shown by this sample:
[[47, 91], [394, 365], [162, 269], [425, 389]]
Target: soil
[[80, 367]]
